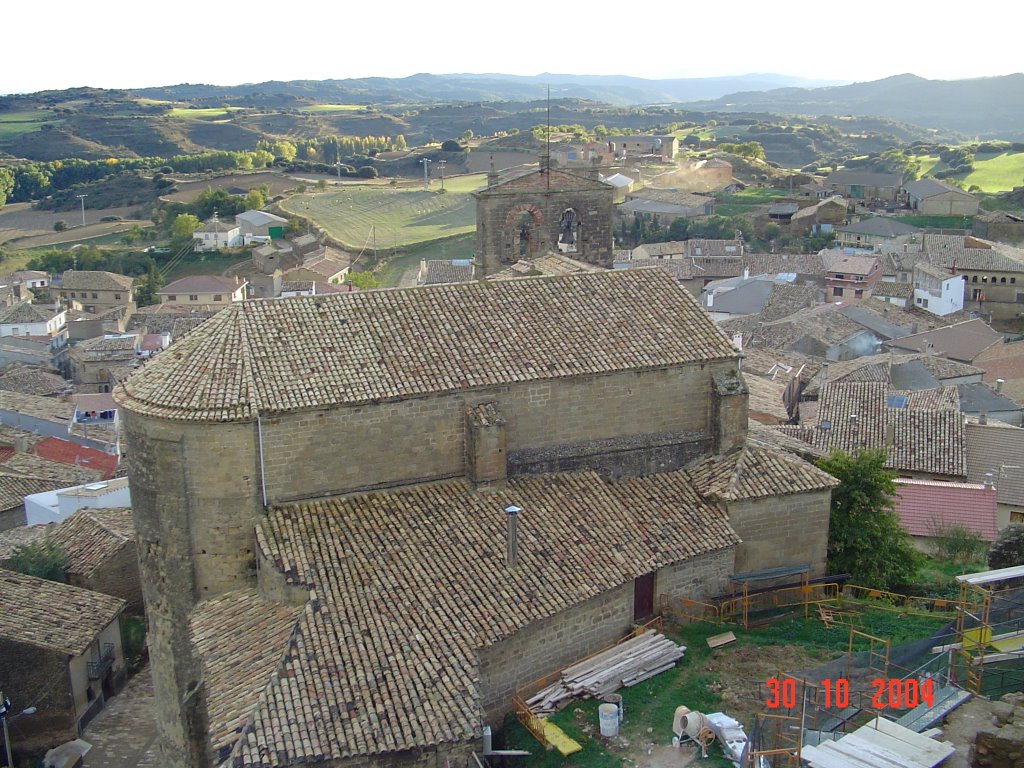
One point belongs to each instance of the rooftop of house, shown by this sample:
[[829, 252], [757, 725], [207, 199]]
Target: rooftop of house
[[437, 271], [925, 188], [153, 321], [51, 615], [66, 452], [202, 284], [87, 280], [855, 265], [962, 341], [90, 537], [544, 180], [58, 474], [690, 268], [934, 270], [1002, 217], [21, 536], [216, 226], [98, 401], [412, 560], [655, 206], [327, 262], [867, 315], [753, 472], [822, 323], [45, 408], [776, 263], [260, 357], [14, 488], [838, 204], [968, 253], [32, 380], [548, 265], [259, 218], [893, 290], [106, 348], [977, 397], [879, 226], [25, 312], [673, 197], [865, 179], [928, 508], [920, 431], [997, 449]]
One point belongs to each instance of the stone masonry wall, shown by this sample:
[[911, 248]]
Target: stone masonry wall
[[625, 423], [549, 645], [117, 576], [30, 671], [782, 530]]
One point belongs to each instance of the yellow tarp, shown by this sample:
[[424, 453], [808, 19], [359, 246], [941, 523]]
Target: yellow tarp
[[556, 737], [1009, 644], [976, 638]]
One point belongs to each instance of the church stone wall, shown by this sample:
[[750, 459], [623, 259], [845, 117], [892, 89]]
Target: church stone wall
[[782, 530]]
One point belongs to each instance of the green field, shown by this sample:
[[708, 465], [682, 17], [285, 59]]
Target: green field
[[332, 108], [201, 113], [356, 215], [997, 173], [14, 124], [742, 202]]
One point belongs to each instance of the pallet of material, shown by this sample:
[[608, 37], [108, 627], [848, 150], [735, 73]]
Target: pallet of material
[[628, 663]]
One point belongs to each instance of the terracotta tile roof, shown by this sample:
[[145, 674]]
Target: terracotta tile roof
[[202, 284], [24, 312], [242, 639], [66, 452], [20, 536], [773, 438], [775, 263], [84, 280], [895, 290], [925, 507], [968, 253], [446, 271], [764, 400], [823, 324], [164, 321], [549, 264], [753, 472], [14, 488], [927, 441], [51, 615], [45, 408], [120, 347], [998, 449], [856, 265], [786, 298], [32, 380], [90, 537], [962, 341], [308, 352], [56, 473], [407, 585]]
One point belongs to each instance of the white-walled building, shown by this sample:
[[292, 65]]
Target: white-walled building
[[936, 290], [54, 506], [216, 234]]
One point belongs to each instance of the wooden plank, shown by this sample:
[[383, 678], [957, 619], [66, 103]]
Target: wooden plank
[[821, 758], [930, 750], [867, 753], [716, 641]]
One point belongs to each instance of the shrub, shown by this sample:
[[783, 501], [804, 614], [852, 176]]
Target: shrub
[[368, 172], [955, 543], [44, 560], [1008, 549], [111, 218], [59, 226], [451, 146]]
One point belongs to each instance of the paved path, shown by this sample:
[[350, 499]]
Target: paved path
[[124, 733]]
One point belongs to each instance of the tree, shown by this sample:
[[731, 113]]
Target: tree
[[146, 287], [1008, 549], [451, 146], [363, 280], [6, 185], [60, 226], [44, 560], [183, 226], [865, 538], [255, 200], [368, 172]]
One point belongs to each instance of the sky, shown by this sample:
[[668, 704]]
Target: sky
[[118, 44]]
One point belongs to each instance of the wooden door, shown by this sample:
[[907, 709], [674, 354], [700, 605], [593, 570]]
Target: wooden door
[[643, 597]]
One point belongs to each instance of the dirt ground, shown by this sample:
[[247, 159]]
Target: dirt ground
[[188, 188], [18, 220]]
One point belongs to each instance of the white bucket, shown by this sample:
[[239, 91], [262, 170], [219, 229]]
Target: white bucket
[[608, 717]]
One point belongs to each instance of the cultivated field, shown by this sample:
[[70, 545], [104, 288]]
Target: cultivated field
[[997, 173], [396, 217], [332, 108], [33, 228], [278, 183], [15, 123], [204, 114]]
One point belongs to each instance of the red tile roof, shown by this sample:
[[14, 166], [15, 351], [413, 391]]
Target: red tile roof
[[66, 452], [924, 505]]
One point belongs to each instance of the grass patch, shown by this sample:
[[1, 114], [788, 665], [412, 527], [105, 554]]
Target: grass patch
[[208, 112], [23, 117], [997, 173], [204, 264], [391, 270], [332, 108], [397, 218], [739, 203]]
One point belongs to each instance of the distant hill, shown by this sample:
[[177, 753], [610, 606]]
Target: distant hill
[[989, 106], [615, 90]]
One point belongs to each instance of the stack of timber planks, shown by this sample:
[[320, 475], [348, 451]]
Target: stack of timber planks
[[628, 663]]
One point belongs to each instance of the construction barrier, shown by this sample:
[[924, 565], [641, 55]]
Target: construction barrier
[[892, 601]]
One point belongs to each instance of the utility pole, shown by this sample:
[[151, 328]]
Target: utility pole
[[82, 198], [441, 164], [338, 163], [426, 172], [5, 707]]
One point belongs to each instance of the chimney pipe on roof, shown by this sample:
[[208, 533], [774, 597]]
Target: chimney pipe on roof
[[983, 418], [890, 435], [512, 536], [853, 419], [999, 385], [990, 480]]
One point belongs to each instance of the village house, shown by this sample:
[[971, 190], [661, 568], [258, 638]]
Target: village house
[[937, 290], [867, 233], [995, 455], [61, 645], [638, 146], [93, 291], [254, 225], [965, 342], [32, 380], [92, 360], [491, 417], [56, 504], [853, 277], [207, 291], [1000, 226], [930, 197], [929, 510], [820, 218], [324, 265], [865, 185], [992, 272], [13, 490], [101, 553], [437, 271], [216, 234]]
